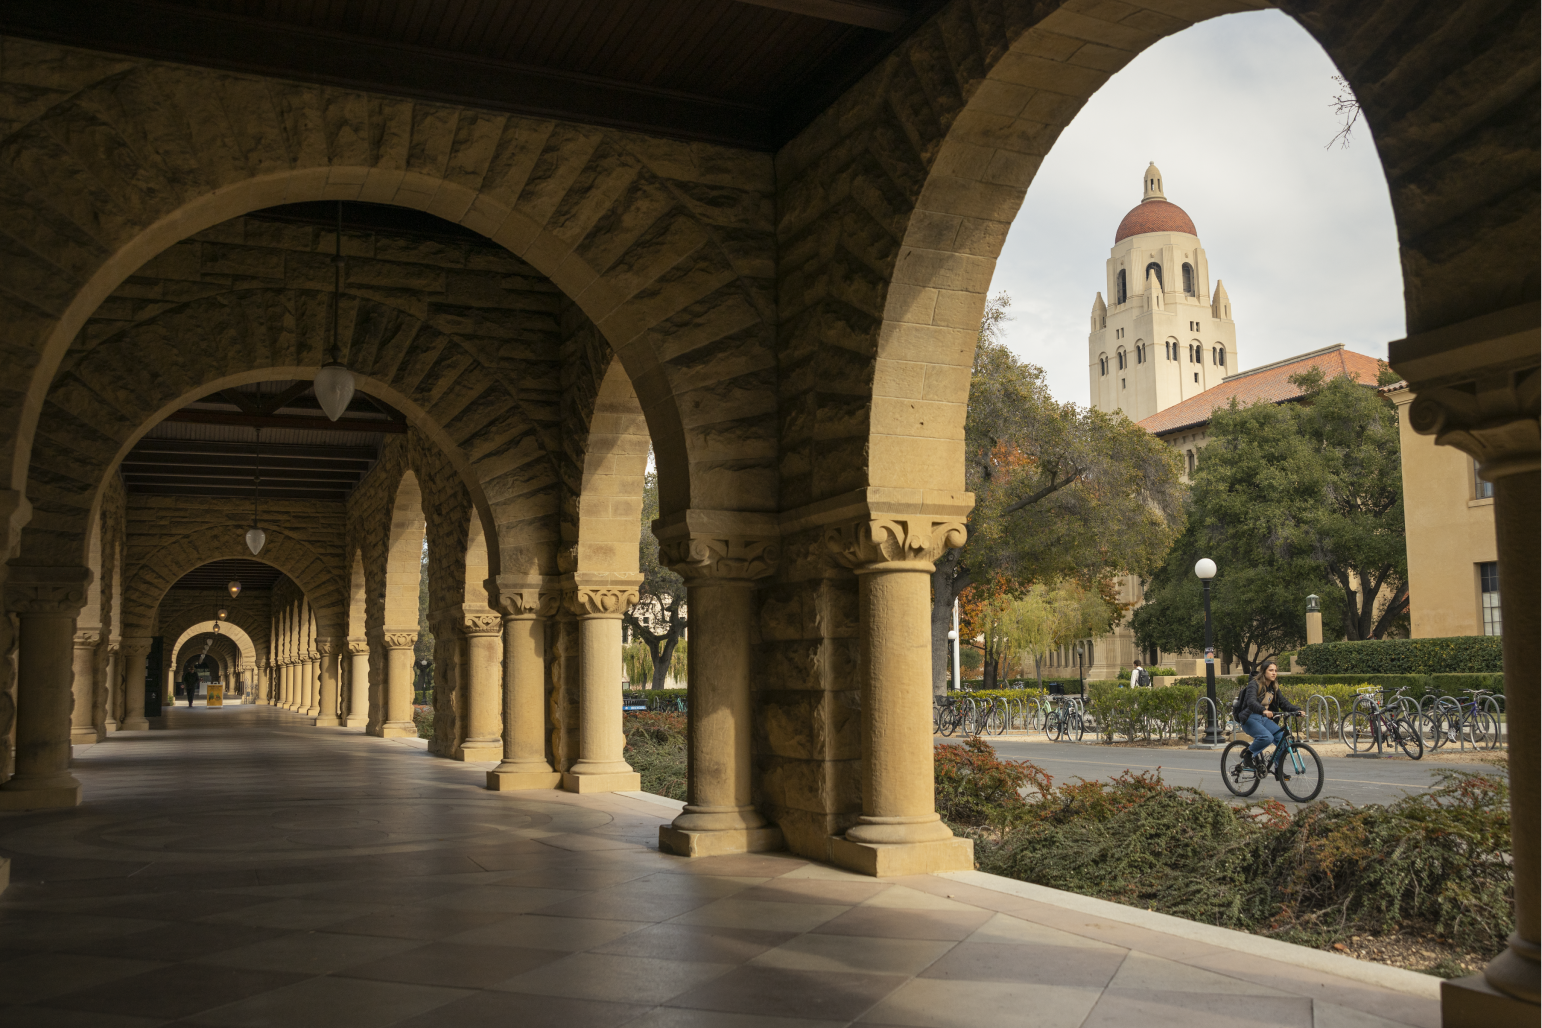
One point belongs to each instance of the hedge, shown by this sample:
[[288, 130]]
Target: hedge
[[1458, 654], [1140, 713]]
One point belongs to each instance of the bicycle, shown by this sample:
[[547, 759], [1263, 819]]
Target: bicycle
[[1243, 776], [1474, 722], [1371, 723], [1065, 720], [947, 716]]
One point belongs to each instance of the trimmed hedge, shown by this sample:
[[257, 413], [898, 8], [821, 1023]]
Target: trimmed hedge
[[1457, 654], [1140, 713]]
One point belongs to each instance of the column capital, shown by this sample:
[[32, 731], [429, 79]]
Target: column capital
[[599, 594], [482, 624], [900, 542], [328, 647], [87, 639], [136, 645], [47, 591], [524, 596], [399, 639], [720, 545], [1494, 421], [357, 645]]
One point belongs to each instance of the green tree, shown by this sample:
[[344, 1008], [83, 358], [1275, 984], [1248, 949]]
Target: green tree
[[658, 618], [1061, 492]]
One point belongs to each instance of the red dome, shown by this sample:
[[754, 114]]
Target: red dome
[[1154, 216]]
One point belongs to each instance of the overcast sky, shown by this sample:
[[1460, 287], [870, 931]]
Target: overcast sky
[[1235, 111]]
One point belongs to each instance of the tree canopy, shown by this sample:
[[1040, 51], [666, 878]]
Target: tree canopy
[[658, 618], [1062, 492]]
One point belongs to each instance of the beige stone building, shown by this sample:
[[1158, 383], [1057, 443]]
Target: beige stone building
[[756, 235], [1453, 557]]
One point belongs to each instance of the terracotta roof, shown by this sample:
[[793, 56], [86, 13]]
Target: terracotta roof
[[1154, 216], [1270, 382]]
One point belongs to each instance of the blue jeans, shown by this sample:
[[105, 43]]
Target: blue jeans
[[1263, 731]]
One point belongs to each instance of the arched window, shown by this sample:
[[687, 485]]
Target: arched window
[[1222, 351], [1119, 288], [1120, 356], [1191, 461], [1156, 269], [1188, 279], [1103, 364]]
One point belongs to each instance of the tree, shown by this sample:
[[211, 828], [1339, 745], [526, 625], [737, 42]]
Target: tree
[[1061, 492], [1022, 625], [658, 618]]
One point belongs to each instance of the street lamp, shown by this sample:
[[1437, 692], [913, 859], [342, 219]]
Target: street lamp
[[1205, 570]]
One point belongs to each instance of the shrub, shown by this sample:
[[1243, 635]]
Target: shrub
[[423, 718], [1140, 713], [656, 749], [1436, 863], [668, 699], [975, 787], [1465, 654]]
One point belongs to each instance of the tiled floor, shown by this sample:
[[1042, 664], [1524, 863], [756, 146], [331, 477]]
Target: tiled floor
[[240, 869]]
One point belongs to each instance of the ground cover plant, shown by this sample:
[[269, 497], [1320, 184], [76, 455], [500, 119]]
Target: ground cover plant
[[655, 747], [1432, 867]]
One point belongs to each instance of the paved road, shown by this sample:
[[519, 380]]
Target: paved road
[[1357, 781]]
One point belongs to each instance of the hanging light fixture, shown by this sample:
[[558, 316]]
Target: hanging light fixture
[[222, 613], [234, 586], [334, 383], [255, 536]]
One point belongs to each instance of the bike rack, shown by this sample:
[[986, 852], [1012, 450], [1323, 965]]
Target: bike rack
[[1323, 702], [1200, 721]]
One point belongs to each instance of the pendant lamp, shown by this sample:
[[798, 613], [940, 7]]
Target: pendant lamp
[[234, 586], [334, 384], [255, 536]]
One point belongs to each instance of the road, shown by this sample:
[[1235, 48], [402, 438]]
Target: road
[[1354, 780]]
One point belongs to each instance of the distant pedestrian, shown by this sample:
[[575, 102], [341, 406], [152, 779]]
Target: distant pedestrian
[[190, 685], [1138, 677]]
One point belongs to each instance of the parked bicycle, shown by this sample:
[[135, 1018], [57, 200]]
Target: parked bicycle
[[1372, 724], [1294, 764], [1064, 719], [1475, 721]]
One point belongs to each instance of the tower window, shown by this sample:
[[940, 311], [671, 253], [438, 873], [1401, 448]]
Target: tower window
[[1488, 586], [1155, 269], [1196, 376], [1191, 461], [1119, 287], [1481, 490], [1103, 364], [1121, 383], [1123, 362], [1222, 351], [1140, 353], [1188, 279]]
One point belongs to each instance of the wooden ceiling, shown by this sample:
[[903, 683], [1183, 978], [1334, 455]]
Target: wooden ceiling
[[252, 574], [747, 73]]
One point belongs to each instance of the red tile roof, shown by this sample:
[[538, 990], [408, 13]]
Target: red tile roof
[[1154, 216], [1270, 382]]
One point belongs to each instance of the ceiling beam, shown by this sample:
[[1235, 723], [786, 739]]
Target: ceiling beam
[[188, 35], [246, 463], [220, 447], [167, 476], [216, 417], [867, 14], [246, 494]]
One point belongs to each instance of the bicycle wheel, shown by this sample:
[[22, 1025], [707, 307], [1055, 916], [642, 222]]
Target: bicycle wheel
[[1408, 738], [1358, 731], [1054, 725], [996, 720], [1240, 779], [1300, 773], [1485, 730], [1431, 729], [948, 720]]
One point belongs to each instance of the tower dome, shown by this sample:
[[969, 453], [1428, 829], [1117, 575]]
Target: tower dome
[[1154, 213]]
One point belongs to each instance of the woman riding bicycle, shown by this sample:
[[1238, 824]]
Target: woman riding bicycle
[[1262, 704]]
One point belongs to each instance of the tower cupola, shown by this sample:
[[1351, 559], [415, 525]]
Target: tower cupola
[[1153, 184]]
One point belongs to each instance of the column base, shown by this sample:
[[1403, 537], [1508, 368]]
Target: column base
[[356, 722], [83, 737], [615, 781], [726, 840], [52, 797], [1472, 1002], [134, 724], [110, 726], [478, 751], [398, 730], [892, 859], [326, 722], [517, 781]]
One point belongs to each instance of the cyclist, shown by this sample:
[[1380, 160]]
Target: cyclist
[[1262, 702]]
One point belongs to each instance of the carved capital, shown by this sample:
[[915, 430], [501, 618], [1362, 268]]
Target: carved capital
[[47, 592], [907, 539], [327, 647], [357, 646], [515, 596], [87, 639], [1495, 422], [399, 640], [696, 557], [135, 646], [482, 624], [610, 601]]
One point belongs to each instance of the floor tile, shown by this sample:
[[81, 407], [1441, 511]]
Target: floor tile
[[784, 992], [696, 942], [813, 890], [309, 952], [41, 930], [524, 1010], [415, 923], [181, 941], [935, 1003], [331, 1003], [51, 1017], [901, 923], [180, 906], [778, 917], [493, 900], [534, 931], [37, 976], [172, 992], [843, 953], [676, 1017], [1028, 963], [452, 965], [1144, 971], [298, 914], [1150, 1008], [616, 979]]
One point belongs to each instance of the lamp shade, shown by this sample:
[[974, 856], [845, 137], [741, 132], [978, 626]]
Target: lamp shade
[[222, 613], [1312, 603], [255, 537], [334, 389], [235, 588], [1205, 568]]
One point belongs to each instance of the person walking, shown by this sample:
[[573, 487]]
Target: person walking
[[1138, 677], [190, 685], [1262, 704]]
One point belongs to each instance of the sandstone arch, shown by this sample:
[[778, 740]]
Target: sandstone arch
[[668, 247], [237, 637]]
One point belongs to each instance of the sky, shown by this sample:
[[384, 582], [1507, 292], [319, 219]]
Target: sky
[[1235, 111]]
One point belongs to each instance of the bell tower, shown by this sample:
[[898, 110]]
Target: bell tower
[[1161, 336]]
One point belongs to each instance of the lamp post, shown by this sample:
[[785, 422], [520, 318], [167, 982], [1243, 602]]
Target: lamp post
[[1205, 570], [1081, 669]]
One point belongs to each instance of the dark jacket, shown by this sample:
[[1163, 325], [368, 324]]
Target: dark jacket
[[1250, 705]]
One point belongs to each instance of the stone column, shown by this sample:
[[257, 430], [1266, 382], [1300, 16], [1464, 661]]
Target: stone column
[[136, 651], [327, 651], [83, 689], [483, 675], [111, 671], [720, 570], [1476, 386], [397, 698], [899, 831], [358, 684], [311, 693], [598, 601], [526, 612], [46, 602]]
